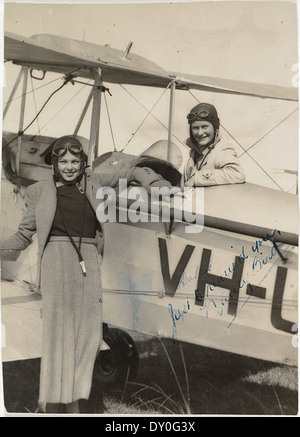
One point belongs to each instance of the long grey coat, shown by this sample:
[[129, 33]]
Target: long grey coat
[[41, 204]]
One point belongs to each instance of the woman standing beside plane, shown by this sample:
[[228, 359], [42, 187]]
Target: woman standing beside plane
[[62, 212], [211, 161]]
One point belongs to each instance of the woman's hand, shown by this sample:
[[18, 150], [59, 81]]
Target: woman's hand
[[190, 182]]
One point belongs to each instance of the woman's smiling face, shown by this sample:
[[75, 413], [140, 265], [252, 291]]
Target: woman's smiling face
[[69, 166], [203, 132]]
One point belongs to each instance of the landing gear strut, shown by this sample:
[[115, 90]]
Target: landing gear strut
[[120, 362]]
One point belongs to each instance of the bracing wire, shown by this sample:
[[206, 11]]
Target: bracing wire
[[256, 142], [291, 188], [246, 151], [39, 112], [66, 104], [110, 124], [271, 130], [213, 299], [33, 120], [36, 89], [36, 111], [152, 115], [68, 78], [147, 115]]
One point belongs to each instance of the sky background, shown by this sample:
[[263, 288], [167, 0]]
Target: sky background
[[249, 41]]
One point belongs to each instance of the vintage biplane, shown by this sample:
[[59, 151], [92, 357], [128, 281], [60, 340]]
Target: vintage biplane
[[232, 286]]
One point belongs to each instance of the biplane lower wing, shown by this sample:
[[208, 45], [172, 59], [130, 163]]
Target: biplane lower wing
[[253, 210], [21, 321]]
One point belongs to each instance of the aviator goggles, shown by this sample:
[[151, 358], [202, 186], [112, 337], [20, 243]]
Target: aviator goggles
[[192, 116], [59, 151]]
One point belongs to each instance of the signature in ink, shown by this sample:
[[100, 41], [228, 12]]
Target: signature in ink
[[260, 262], [218, 306], [187, 278], [177, 315]]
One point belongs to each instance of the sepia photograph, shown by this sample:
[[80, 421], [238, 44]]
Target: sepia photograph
[[149, 211]]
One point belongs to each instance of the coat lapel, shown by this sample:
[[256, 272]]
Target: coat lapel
[[45, 213], [46, 207]]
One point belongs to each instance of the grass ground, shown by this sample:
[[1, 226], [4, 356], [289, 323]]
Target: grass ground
[[183, 378], [176, 379]]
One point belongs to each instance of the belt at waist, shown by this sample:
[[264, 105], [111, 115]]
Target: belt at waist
[[76, 239]]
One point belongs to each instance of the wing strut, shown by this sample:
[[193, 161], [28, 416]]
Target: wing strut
[[84, 111], [171, 111], [22, 113], [13, 92], [22, 75], [95, 120]]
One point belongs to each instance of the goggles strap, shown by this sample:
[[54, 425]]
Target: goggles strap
[[78, 249]]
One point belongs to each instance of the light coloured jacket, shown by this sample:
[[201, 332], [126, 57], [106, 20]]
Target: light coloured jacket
[[218, 166]]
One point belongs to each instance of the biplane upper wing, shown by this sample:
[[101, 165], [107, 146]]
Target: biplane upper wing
[[60, 54], [55, 53], [228, 86]]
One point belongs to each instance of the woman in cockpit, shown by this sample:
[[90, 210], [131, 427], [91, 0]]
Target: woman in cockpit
[[211, 160]]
